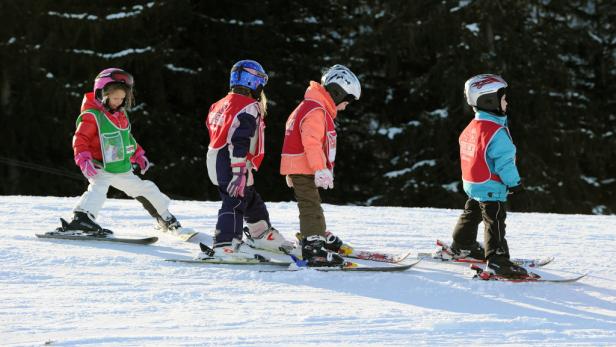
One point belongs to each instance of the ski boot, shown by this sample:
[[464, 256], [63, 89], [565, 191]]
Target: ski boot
[[82, 224], [263, 236], [333, 242], [316, 253], [170, 224], [476, 251], [226, 251], [500, 265]]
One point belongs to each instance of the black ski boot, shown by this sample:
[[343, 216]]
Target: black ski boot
[[332, 242], [170, 224], [82, 222], [476, 251], [315, 252], [501, 265]]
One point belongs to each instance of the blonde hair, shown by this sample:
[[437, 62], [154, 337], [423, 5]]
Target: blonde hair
[[263, 103], [129, 100], [261, 98]]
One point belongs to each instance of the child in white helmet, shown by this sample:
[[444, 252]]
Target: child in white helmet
[[308, 156], [489, 175]]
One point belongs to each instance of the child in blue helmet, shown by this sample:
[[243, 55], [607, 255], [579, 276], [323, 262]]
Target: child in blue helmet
[[236, 125], [489, 175]]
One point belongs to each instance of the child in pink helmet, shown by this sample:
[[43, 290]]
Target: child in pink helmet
[[106, 152]]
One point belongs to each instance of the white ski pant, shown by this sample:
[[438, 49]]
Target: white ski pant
[[93, 199]]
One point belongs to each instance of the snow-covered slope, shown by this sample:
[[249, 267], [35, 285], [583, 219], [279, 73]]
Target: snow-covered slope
[[71, 293]]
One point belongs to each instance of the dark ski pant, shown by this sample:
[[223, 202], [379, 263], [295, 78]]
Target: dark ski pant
[[311, 218], [234, 211], [493, 215]]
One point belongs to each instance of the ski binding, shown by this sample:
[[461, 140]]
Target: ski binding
[[445, 254], [485, 275]]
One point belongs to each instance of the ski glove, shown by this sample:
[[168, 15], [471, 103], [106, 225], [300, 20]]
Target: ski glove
[[324, 179], [85, 163], [289, 181], [519, 189], [140, 160], [238, 182], [519, 197]]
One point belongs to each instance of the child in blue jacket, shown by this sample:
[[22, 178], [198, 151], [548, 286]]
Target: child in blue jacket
[[489, 174]]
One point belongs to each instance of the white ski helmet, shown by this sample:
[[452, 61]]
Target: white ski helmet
[[341, 83], [484, 92]]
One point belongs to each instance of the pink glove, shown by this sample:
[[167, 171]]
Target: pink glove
[[238, 182], [324, 179], [140, 159], [84, 161]]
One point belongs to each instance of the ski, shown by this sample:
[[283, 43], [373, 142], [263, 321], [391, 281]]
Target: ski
[[481, 274], [248, 258], [296, 264], [80, 236], [226, 261], [349, 251], [184, 234], [445, 254], [348, 266], [355, 267]]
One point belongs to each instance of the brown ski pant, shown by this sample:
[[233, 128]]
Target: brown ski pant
[[311, 218]]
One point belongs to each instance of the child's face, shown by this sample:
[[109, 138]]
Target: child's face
[[504, 103], [115, 98]]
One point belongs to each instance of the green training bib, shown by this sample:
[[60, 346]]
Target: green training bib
[[117, 144]]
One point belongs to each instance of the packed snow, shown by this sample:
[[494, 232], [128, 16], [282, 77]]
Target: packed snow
[[75, 293]]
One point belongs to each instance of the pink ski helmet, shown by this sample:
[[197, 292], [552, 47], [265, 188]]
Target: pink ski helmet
[[111, 75]]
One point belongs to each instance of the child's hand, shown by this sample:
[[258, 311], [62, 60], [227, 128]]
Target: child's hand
[[289, 181], [84, 161], [519, 197], [324, 179], [141, 160], [238, 182]]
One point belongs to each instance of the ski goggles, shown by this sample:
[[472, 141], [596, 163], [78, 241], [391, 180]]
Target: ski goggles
[[118, 76], [252, 72]]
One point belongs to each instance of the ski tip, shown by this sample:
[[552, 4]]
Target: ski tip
[[400, 258], [151, 239], [415, 262]]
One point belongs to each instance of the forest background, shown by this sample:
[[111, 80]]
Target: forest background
[[397, 146]]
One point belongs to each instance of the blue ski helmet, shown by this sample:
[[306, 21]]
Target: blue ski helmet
[[249, 74]]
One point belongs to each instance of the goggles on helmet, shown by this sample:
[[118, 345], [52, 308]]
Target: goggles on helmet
[[252, 72], [118, 76]]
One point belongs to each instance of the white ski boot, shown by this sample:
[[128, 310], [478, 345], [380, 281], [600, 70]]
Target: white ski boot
[[262, 236], [228, 252]]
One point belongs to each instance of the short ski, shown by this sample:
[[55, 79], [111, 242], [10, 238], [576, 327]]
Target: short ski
[[481, 274], [366, 268], [226, 261], [444, 254], [348, 266], [184, 234], [85, 237], [247, 259], [350, 252]]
